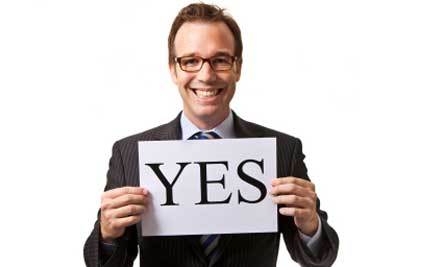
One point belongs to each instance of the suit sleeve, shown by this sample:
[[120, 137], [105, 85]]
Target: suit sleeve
[[126, 246], [329, 241]]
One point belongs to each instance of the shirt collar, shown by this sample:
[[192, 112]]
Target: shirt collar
[[225, 129]]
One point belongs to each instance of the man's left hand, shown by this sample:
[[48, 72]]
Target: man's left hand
[[300, 201]]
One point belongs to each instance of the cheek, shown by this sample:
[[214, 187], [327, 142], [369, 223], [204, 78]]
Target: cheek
[[228, 78], [184, 80]]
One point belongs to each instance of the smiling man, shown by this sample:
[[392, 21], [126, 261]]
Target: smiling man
[[205, 61], [206, 89]]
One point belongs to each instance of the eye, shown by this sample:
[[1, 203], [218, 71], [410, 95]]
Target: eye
[[222, 60], [189, 61]]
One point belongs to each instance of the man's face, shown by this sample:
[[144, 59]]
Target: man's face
[[206, 94]]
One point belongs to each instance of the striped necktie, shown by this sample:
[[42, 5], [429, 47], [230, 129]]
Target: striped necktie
[[209, 242]]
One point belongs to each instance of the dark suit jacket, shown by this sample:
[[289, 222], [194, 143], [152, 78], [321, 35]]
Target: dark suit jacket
[[258, 249]]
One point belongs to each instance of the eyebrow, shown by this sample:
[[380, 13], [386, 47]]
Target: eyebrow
[[220, 53]]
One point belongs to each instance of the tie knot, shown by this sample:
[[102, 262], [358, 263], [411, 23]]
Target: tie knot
[[205, 135]]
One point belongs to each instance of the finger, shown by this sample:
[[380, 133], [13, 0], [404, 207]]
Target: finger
[[124, 222], [125, 200], [294, 201], [294, 180], [294, 212], [292, 189], [114, 193], [129, 210]]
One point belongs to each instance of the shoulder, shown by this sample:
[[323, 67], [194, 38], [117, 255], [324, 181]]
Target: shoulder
[[284, 141]]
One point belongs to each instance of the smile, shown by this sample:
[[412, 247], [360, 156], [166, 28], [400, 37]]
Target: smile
[[203, 93]]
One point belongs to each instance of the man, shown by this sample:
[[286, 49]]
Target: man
[[205, 60]]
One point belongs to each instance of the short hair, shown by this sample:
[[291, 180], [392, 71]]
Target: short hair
[[205, 13]]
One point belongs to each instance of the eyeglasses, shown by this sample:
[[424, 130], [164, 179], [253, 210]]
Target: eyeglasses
[[195, 63]]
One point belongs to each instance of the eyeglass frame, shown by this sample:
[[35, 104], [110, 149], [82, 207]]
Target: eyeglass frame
[[233, 58]]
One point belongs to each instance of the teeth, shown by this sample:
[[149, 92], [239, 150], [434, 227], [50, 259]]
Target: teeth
[[206, 93]]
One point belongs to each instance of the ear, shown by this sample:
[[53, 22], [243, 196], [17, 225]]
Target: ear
[[173, 72]]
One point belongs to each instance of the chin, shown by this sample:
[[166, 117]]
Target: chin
[[207, 113]]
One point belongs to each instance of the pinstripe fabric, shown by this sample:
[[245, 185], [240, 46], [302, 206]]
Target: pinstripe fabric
[[236, 250]]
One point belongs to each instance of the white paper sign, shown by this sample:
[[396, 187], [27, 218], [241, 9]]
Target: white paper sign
[[215, 186]]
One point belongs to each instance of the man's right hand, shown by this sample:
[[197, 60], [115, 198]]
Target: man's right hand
[[120, 208]]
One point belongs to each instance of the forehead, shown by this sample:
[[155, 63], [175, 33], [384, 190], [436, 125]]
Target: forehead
[[204, 39]]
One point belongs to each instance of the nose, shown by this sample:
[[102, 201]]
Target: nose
[[206, 73]]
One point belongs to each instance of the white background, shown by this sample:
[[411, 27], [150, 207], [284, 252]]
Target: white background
[[358, 81]]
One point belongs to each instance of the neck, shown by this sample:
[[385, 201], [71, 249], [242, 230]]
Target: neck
[[207, 123]]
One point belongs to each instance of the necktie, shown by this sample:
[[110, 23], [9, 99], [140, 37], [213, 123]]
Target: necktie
[[209, 242]]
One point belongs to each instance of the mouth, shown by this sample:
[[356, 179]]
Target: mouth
[[206, 92]]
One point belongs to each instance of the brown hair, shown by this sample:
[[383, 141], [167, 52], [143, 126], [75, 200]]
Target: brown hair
[[206, 13]]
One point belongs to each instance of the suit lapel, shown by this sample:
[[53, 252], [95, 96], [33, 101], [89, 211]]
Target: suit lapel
[[245, 129], [171, 130]]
